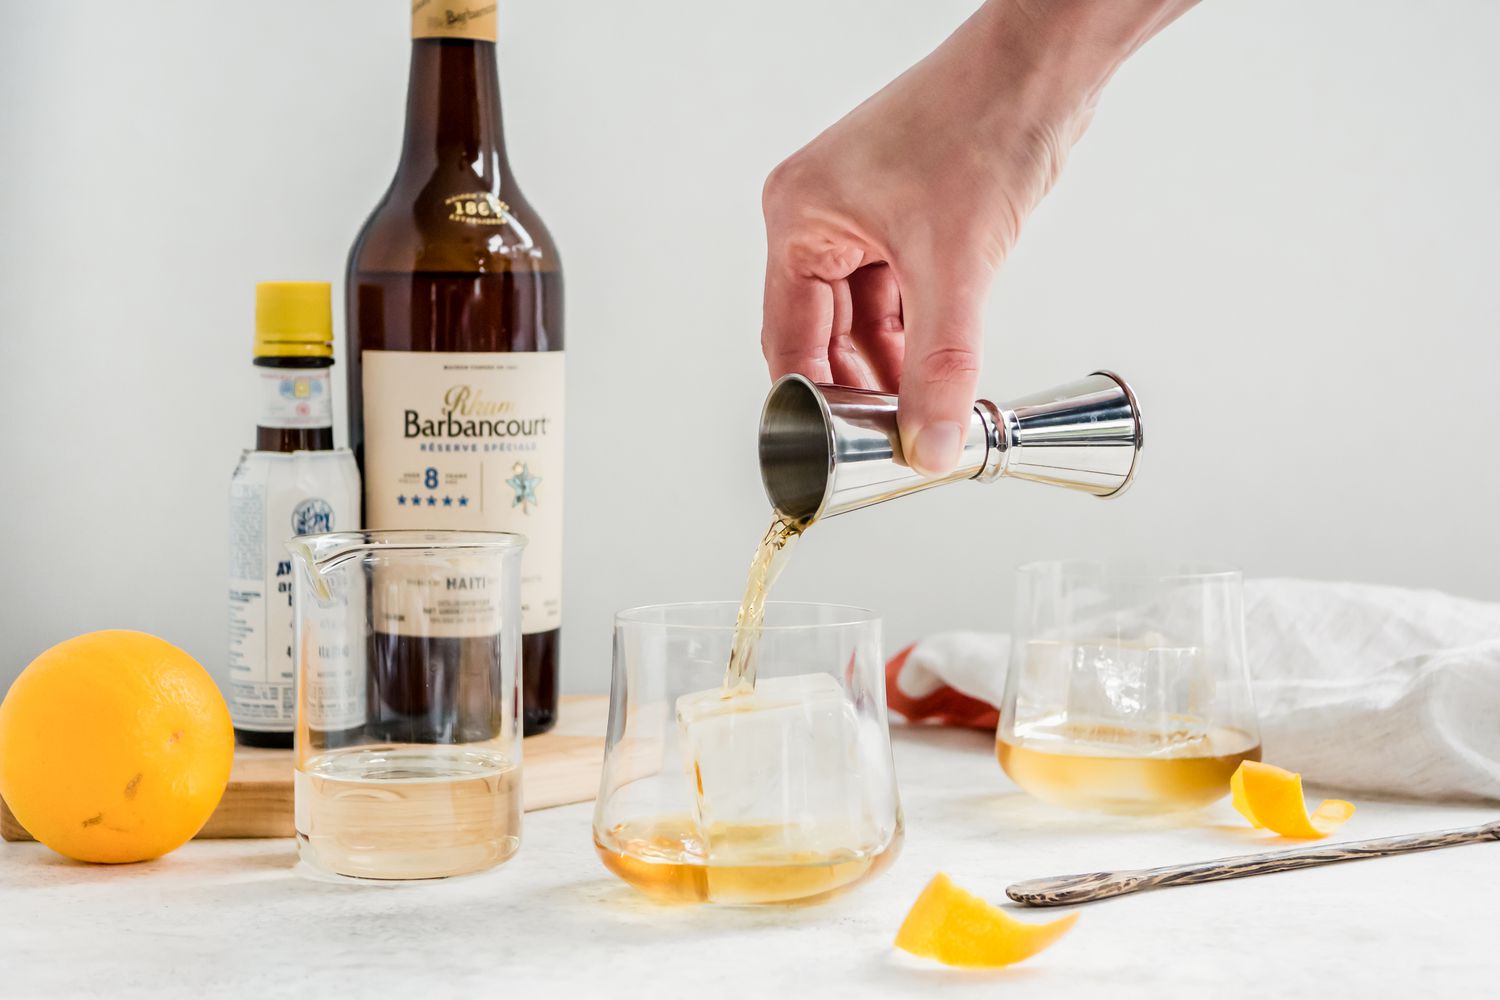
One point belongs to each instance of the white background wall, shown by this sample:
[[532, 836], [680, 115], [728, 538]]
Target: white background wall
[[1282, 227]]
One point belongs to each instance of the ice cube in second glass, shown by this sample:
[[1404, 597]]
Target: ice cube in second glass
[[778, 771], [1144, 697]]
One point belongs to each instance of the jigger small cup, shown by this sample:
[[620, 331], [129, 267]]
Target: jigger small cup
[[828, 449]]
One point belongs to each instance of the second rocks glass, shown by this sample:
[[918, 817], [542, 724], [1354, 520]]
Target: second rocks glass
[[1127, 690]]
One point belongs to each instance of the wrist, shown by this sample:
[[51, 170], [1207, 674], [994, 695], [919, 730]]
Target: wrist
[[1048, 59]]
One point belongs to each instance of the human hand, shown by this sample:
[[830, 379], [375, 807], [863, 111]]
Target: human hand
[[884, 232]]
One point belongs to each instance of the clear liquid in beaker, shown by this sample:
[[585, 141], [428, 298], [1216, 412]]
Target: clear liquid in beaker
[[408, 812]]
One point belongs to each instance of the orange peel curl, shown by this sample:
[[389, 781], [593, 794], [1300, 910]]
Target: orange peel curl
[[1271, 799]]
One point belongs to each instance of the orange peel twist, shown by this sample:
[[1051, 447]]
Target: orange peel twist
[[1271, 799], [959, 929]]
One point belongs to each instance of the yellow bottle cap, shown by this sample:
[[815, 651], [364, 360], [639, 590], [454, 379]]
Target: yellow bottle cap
[[293, 319]]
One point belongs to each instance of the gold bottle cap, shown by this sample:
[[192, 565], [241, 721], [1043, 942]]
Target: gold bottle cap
[[471, 19], [293, 319]]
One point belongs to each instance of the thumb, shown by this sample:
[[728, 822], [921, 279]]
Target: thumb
[[942, 308]]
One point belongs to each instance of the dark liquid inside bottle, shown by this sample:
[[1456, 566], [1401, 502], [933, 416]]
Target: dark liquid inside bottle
[[427, 689]]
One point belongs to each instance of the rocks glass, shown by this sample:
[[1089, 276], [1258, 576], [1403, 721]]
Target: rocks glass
[[786, 793], [1127, 689]]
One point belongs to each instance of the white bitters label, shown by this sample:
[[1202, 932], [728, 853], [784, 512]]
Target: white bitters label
[[471, 440], [294, 397], [272, 497]]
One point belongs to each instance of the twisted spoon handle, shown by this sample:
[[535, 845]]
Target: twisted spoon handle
[[1065, 889]]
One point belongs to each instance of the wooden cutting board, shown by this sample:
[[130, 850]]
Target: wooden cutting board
[[558, 768]]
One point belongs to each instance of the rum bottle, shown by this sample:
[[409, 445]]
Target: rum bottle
[[455, 381]]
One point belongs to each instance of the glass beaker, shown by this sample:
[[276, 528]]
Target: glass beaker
[[1127, 689], [783, 793], [408, 740]]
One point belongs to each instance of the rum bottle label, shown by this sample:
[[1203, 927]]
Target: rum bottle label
[[471, 440]]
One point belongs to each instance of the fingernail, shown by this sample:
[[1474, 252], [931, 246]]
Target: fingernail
[[937, 447]]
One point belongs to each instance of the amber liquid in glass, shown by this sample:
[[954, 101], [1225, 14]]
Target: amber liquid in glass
[[1139, 779], [422, 279], [666, 859]]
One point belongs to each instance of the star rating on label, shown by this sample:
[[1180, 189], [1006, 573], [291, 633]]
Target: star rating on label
[[432, 500]]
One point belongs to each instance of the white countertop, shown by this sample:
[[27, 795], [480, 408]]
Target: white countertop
[[230, 918]]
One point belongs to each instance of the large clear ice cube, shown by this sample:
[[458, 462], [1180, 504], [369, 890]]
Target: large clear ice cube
[[1154, 693], [790, 768]]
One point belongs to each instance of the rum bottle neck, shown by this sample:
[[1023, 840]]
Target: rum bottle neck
[[453, 111]]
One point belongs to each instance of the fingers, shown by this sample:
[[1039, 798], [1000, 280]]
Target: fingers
[[849, 364], [943, 305], [811, 335], [877, 328], [797, 323]]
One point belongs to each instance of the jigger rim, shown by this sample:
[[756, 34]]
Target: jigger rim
[[830, 446], [1140, 439]]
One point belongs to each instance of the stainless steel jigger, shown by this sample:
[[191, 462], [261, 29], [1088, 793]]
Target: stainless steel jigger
[[827, 449]]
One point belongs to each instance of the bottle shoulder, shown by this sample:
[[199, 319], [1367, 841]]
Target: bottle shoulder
[[457, 222]]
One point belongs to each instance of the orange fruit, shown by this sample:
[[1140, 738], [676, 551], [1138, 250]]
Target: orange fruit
[[957, 928], [115, 746]]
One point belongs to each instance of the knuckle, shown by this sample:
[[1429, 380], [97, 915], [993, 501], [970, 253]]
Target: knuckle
[[779, 353], [783, 179], [769, 348], [945, 365], [794, 182]]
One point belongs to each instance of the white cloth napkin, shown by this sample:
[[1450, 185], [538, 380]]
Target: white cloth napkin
[[1365, 689]]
